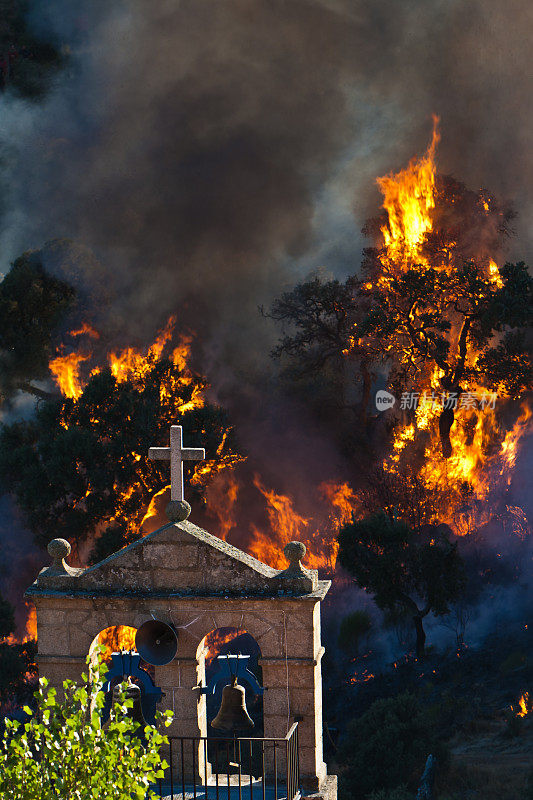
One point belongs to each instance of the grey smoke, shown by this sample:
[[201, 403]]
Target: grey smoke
[[210, 153]]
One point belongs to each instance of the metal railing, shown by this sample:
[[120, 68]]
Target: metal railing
[[213, 768]]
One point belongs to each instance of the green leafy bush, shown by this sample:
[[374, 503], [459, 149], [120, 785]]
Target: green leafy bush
[[63, 751], [386, 748]]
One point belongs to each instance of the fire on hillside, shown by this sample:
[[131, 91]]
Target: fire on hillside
[[467, 485]]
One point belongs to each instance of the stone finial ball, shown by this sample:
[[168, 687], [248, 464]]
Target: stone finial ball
[[178, 510], [59, 549], [295, 551]]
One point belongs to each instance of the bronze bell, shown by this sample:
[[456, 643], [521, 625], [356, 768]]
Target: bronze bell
[[232, 714], [133, 692]]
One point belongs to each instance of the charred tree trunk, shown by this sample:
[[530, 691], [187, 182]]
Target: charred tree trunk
[[452, 383], [36, 392], [420, 636], [446, 420]]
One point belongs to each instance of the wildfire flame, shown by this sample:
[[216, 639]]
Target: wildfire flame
[[66, 372], [179, 393], [343, 501], [222, 500], [131, 363], [30, 632], [113, 640], [524, 706], [483, 454], [409, 197], [214, 641], [319, 533]]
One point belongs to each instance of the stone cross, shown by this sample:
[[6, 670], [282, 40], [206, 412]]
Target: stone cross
[[176, 454]]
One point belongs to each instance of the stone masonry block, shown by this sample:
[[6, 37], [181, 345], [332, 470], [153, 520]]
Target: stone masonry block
[[169, 556], [53, 640]]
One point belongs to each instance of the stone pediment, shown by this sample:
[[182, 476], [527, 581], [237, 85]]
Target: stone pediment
[[178, 559]]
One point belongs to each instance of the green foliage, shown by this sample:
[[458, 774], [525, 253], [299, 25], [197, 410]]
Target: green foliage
[[387, 747], [79, 465], [32, 305], [64, 752], [320, 313], [401, 567], [352, 628], [405, 571]]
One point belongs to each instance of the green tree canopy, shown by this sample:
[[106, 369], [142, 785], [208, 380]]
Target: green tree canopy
[[32, 306], [64, 751], [414, 573], [79, 467], [386, 748]]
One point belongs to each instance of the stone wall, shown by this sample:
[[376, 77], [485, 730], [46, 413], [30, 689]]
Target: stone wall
[[286, 630]]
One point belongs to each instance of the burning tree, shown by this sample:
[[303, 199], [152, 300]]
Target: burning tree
[[80, 464], [407, 573], [17, 659], [447, 325], [32, 306]]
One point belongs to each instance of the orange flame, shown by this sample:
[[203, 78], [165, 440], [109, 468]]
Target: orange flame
[[66, 372], [482, 453], [221, 499], [343, 501], [152, 510], [114, 639], [31, 625], [130, 363], [286, 525], [409, 197], [30, 630], [85, 330], [524, 706], [215, 640]]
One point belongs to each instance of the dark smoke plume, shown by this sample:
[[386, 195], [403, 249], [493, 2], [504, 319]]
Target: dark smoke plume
[[206, 152]]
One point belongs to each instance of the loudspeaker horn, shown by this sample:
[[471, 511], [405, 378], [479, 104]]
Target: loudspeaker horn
[[156, 642]]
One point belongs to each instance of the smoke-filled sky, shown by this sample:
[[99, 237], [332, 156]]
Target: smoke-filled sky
[[210, 153], [202, 156]]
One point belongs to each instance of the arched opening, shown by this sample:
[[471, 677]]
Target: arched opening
[[123, 663], [115, 639], [223, 642]]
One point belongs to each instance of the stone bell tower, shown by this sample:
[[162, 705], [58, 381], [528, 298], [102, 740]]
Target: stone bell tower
[[194, 581]]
